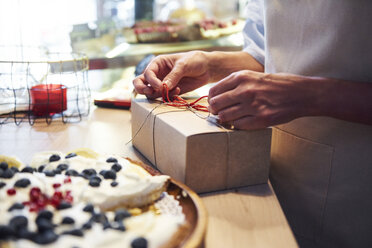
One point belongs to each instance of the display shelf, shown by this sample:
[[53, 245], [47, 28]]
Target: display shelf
[[126, 54]]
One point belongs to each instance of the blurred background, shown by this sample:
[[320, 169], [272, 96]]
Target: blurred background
[[117, 34], [50, 22]]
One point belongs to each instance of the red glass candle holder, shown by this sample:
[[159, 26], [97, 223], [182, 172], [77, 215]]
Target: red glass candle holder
[[48, 99]]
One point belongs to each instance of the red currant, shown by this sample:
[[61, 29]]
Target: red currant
[[67, 180], [11, 191], [56, 185]]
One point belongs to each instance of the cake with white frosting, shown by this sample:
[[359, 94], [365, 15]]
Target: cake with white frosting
[[84, 199]]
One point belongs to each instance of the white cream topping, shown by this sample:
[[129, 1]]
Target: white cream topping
[[157, 229], [135, 188]]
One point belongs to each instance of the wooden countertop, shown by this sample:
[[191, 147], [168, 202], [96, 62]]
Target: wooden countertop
[[245, 217]]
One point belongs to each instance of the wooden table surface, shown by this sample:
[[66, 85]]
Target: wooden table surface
[[245, 217]]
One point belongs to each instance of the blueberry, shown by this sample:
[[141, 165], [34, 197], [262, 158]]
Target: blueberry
[[3, 165], [44, 214], [18, 222], [106, 225], [87, 225], [14, 169], [94, 182], [72, 172], [89, 172], [46, 237], [62, 167], [139, 243], [54, 157], [116, 167], [96, 178], [70, 155], [63, 205], [88, 208], [25, 234], [111, 160], [121, 214], [16, 206], [1, 172], [2, 184], [68, 220], [8, 173], [114, 184], [28, 169], [57, 171], [6, 232], [22, 183], [44, 225], [108, 174], [49, 173], [99, 218], [41, 168], [74, 232]]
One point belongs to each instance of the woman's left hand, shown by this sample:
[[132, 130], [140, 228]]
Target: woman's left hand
[[254, 100]]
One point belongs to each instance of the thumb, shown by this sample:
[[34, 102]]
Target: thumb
[[174, 76], [175, 92]]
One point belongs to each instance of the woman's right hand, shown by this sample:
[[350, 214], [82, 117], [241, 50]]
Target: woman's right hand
[[182, 72]]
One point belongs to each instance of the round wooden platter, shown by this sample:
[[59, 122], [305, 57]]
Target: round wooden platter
[[193, 208]]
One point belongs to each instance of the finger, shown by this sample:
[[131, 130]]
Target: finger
[[234, 112], [175, 92], [226, 84], [156, 70], [174, 76], [157, 94], [250, 123], [152, 79], [222, 101], [154, 95], [141, 86]]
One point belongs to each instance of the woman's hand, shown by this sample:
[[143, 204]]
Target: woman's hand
[[182, 73], [254, 100]]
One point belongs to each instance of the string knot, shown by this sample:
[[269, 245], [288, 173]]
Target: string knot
[[180, 102]]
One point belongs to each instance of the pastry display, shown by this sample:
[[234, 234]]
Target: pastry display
[[84, 199], [175, 31]]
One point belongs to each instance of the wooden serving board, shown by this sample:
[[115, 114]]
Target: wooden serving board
[[193, 209]]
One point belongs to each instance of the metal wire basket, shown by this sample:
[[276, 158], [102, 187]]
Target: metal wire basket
[[37, 85]]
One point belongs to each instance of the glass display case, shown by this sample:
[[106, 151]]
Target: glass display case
[[99, 28]]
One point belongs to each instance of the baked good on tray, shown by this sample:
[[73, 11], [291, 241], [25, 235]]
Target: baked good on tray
[[83, 199], [175, 30]]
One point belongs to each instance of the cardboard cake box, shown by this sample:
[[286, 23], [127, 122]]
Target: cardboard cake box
[[197, 152]]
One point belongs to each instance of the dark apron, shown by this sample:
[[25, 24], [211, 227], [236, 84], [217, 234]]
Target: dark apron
[[321, 171]]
